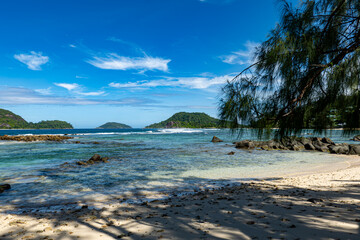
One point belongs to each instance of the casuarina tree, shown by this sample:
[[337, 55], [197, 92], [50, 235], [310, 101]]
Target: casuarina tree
[[306, 73]]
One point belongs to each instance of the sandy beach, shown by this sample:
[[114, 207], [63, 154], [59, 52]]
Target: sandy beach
[[322, 205]]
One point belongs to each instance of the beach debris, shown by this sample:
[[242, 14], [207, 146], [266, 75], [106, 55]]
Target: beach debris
[[34, 138], [215, 139], [96, 158]]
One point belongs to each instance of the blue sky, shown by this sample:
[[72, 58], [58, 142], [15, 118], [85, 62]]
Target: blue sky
[[136, 62]]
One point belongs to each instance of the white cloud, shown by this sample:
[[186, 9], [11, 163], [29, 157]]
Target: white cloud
[[25, 96], [187, 82], [90, 93], [68, 86], [78, 89], [116, 62], [243, 56], [44, 91], [34, 60]]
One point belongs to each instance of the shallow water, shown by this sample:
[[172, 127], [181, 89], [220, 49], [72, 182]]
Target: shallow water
[[141, 160]]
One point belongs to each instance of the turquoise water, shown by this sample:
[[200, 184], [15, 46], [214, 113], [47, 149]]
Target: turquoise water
[[143, 163]]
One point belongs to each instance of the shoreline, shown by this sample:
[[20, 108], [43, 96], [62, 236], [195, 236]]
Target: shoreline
[[304, 205]]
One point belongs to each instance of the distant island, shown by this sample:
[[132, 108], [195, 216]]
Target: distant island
[[114, 125], [9, 120], [188, 120]]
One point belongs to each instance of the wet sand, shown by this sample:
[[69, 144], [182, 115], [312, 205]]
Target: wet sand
[[303, 205]]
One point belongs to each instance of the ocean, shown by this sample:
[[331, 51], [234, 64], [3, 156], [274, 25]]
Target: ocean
[[143, 164]]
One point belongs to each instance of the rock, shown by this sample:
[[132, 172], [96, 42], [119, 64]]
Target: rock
[[304, 140], [315, 200], [327, 140], [95, 158], [172, 124], [296, 147], [321, 147], [247, 144], [33, 138], [81, 163], [216, 139], [309, 146], [4, 187], [354, 149], [356, 138], [339, 148], [231, 153]]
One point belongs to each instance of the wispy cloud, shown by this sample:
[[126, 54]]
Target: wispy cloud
[[78, 89], [25, 96], [80, 77], [34, 60], [116, 62], [44, 91], [243, 56], [68, 86], [187, 82]]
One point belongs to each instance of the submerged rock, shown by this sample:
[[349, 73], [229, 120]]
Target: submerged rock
[[4, 187], [96, 158], [215, 139], [33, 138]]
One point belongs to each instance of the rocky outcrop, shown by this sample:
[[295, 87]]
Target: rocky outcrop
[[301, 143], [215, 139], [96, 158], [33, 138], [172, 124]]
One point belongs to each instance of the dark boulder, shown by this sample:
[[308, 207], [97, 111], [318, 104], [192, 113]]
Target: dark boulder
[[327, 141], [215, 139], [81, 163], [105, 159], [339, 148], [356, 138], [354, 149], [246, 144], [231, 153], [95, 158], [309, 146], [4, 187]]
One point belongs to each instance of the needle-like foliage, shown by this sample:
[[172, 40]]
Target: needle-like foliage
[[306, 74]]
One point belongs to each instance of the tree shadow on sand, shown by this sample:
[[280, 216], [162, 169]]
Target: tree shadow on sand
[[253, 210]]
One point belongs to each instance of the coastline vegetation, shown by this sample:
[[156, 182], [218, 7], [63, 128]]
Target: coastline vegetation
[[9, 120], [114, 125], [305, 75], [188, 120]]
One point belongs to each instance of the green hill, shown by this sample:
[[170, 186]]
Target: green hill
[[113, 125], [188, 120], [9, 120]]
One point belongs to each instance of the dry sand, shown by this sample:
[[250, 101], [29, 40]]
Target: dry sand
[[322, 205]]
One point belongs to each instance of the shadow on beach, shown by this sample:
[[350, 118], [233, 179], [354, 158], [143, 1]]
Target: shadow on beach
[[253, 210]]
